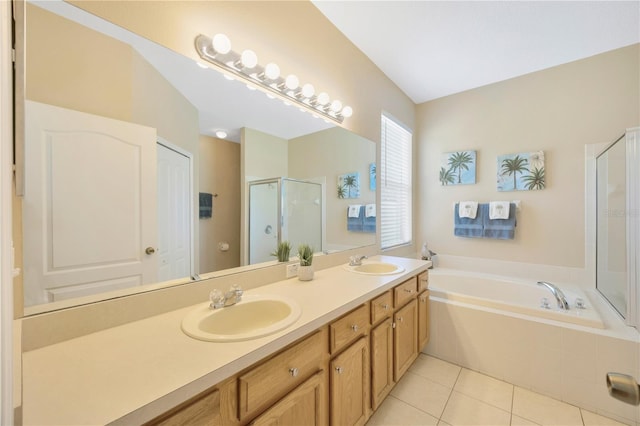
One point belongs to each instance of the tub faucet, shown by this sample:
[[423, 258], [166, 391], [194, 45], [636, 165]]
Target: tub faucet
[[557, 293], [356, 260]]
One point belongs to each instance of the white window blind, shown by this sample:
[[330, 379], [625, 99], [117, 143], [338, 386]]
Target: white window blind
[[395, 184]]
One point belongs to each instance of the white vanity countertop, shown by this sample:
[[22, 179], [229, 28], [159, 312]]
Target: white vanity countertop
[[132, 373]]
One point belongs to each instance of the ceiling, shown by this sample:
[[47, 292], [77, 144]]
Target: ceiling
[[431, 49]]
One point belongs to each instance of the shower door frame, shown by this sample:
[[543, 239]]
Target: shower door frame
[[278, 181]]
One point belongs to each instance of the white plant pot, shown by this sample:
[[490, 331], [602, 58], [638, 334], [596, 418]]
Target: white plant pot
[[305, 273]]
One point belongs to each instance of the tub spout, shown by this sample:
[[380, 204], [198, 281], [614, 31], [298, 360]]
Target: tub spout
[[557, 293]]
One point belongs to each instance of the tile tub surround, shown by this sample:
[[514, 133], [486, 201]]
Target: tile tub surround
[[566, 362], [146, 367], [450, 395]]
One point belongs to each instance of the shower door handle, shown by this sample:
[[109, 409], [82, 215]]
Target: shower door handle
[[624, 388]]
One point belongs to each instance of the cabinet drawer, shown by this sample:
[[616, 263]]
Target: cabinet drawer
[[423, 281], [405, 291], [349, 328], [269, 381], [381, 307]]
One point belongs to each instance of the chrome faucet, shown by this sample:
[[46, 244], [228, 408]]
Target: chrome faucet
[[231, 297], [356, 260], [557, 293]]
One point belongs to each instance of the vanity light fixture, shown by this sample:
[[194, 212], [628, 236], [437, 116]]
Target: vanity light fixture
[[217, 51]]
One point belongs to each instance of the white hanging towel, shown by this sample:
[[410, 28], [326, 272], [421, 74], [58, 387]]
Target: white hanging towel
[[468, 209], [370, 210], [499, 210], [354, 210]]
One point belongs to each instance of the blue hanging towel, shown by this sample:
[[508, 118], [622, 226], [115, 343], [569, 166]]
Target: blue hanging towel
[[500, 229], [467, 227]]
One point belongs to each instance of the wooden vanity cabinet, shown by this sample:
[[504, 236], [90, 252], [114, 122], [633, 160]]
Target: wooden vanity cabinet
[[423, 282], [423, 319], [306, 405], [349, 368], [263, 385], [381, 362], [405, 342], [336, 375], [349, 385], [203, 410]]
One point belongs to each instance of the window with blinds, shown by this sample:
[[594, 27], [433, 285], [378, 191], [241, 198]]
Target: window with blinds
[[395, 184]]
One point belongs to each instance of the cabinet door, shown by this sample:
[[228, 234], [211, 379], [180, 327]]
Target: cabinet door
[[423, 319], [203, 411], [381, 362], [405, 338], [304, 406], [349, 393]]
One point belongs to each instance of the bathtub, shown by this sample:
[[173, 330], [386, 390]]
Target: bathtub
[[512, 295], [495, 325]]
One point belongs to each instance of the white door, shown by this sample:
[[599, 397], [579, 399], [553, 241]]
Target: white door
[[174, 214], [89, 211]]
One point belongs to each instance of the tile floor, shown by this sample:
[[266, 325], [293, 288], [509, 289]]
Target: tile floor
[[435, 392]]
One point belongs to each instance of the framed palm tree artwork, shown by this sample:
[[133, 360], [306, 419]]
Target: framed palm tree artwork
[[458, 168], [349, 185], [521, 172]]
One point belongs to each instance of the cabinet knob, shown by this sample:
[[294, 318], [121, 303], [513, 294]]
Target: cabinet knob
[[408, 290], [339, 370], [385, 306], [423, 299], [355, 328], [400, 319], [294, 372]]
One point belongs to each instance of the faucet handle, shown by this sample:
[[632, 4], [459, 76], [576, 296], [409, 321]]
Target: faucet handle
[[237, 290], [217, 299]]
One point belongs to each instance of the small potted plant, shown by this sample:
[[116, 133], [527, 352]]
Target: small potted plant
[[305, 254], [282, 251]]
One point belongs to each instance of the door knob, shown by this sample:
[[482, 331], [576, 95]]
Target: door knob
[[624, 388], [150, 250]]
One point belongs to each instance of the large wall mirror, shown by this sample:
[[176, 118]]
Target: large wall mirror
[[127, 188]]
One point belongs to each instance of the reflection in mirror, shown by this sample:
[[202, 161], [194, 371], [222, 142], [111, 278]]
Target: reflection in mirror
[[120, 144], [611, 226]]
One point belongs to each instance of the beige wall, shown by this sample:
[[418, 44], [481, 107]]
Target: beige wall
[[558, 110], [79, 78], [220, 174], [330, 153]]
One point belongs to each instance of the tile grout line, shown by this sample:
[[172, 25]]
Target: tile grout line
[[513, 396], [450, 393]]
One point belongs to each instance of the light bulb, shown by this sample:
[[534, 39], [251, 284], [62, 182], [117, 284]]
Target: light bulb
[[292, 82], [272, 71], [323, 98], [250, 87], [308, 90], [347, 111], [249, 59], [201, 65], [221, 44], [336, 106], [221, 134]]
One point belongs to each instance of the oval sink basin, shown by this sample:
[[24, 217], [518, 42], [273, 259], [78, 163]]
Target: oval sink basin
[[376, 268], [255, 316]]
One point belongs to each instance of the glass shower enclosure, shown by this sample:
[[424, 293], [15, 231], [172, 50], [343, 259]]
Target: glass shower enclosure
[[283, 209], [618, 225]]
